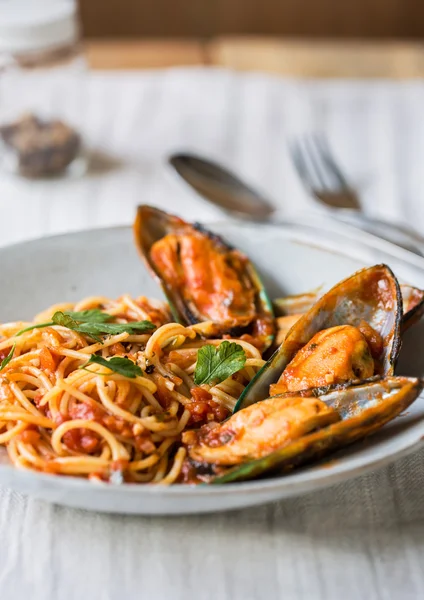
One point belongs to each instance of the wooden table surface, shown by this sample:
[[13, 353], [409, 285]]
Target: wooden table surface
[[292, 57]]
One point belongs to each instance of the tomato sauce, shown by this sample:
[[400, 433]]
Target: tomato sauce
[[204, 409]]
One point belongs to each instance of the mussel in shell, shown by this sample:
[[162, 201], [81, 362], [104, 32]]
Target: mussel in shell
[[288, 430], [351, 333], [204, 279], [289, 309]]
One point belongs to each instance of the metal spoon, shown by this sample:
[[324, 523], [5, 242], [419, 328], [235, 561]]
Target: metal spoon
[[226, 190], [221, 187]]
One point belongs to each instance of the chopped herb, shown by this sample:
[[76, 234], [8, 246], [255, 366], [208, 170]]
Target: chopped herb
[[216, 364], [118, 364], [6, 360]]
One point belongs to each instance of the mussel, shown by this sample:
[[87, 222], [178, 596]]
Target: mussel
[[204, 279], [350, 333], [285, 431], [290, 308]]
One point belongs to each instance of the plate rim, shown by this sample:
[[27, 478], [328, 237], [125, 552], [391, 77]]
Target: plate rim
[[303, 479]]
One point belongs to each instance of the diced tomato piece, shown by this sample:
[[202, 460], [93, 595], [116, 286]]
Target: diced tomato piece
[[81, 440], [117, 349], [30, 436], [86, 412], [49, 359], [203, 411], [198, 394]]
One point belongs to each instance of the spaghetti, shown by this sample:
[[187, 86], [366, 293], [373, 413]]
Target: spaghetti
[[61, 415]]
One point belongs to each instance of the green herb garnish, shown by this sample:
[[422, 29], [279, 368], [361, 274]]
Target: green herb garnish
[[6, 360], [93, 323], [115, 328], [216, 364], [92, 315], [37, 326], [118, 364], [65, 320]]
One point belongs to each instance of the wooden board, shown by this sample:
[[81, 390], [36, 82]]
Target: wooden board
[[148, 54], [298, 58], [315, 58]]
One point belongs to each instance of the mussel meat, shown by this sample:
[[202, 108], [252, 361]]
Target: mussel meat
[[204, 279], [288, 430], [351, 333]]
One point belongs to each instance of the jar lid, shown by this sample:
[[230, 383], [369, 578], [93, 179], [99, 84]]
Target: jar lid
[[28, 25]]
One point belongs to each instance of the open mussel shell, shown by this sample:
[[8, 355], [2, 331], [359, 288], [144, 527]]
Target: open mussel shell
[[363, 408], [371, 295], [151, 225], [413, 305], [298, 304]]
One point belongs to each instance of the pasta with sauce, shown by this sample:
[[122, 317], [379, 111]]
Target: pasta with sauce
[[61, 414]]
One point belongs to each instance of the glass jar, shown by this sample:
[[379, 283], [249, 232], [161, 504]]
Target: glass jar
[[39, 34]]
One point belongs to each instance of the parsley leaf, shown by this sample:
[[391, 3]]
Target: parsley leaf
[[61, 318], [6, 360], [115, 328], [118, 364], [93, 323], [95, 329], [216, 364], [92, 315], [64, 320]]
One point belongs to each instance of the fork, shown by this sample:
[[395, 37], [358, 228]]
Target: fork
[[325, 180]]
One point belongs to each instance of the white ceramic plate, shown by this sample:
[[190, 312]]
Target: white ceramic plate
[[292, 259]]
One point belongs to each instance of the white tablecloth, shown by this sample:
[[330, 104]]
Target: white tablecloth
[[362, 539]]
